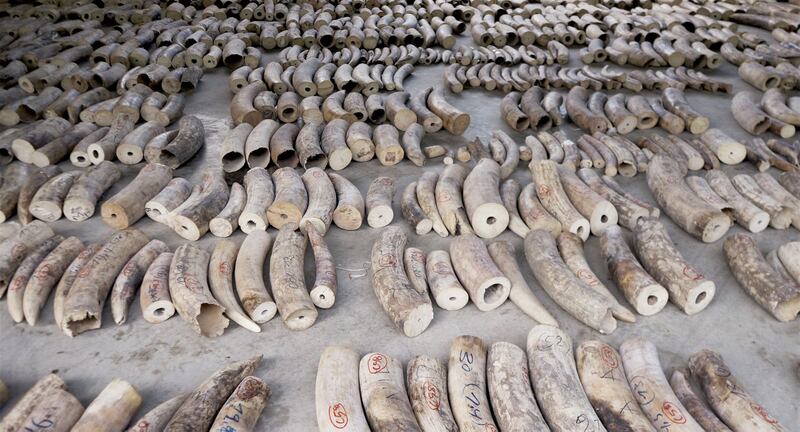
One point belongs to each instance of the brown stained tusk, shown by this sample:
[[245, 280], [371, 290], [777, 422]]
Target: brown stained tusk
[[667, 120], [37, 136], [249, 277], [675, 101], [688, 288], [379, 202], [190, 219], [453, 119], [232, 151], [19, 282], [603, 378], [553, 198], [758, 76], [14, 419], [411, 143], [600, 213], [321, 200], [487, 286], [152, 151], [695, 403], [46, 204], [244, 406], [509, 194], [696, 217], [287, 279], [34, 181], [111, 410], [201, 407], [154, 296], [334, 144], [256, 146], [383, 394], [387, 145], [555, 380], [58, 409], [130, 150], [81, 200], [46, 275], [780, 296], [68, 279], [337, 398], [511, 112], [227, 221], [127, 206], [259, 198], [242, 109], [55, 150], [291, 198], [323, 293], [158, 417], [220, 278], [407, 308], [130, 278], [307, 144], [534, 214], [170, 197], [359, 141], [190, 138], [780, 215], [105, 148], [651, 388], [190, 293], [531, 104], [624, 120], [427, 387], [349, 212], [449, 202], [482, 201], [466, 383], [745, 212], [445, 287], [746, 111], [13, 180], [16, 248], [503, 254], [510, 389], [576, 104]]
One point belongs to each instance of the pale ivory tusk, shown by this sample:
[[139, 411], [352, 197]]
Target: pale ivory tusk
[[227, 221], [337, 399], [510, 389], [49, 199], [746, 213], [509, 192], [111, 410], [46, 276], [533, 212], [777, 191], [349, 212], [190, 219], [14, 418], [244, 406], [127, 206], [249, 277], [603, 378], [288, 280], [256, 147], [780, 216], [68, 279], [598, 210], [449, 201], [323, 293], [154, 297], [379, 202], [481, 193], [426, 380], [555, 381], [259, 195], [321, 200], [466, 383], [14, 249], [220, 278], [157, 418], [171, 196], [694, 403], [553, 197], [35, 180], [487, 286], [383, 394], [651, 389], [81, 200], [130, 278], [56, 411], [445, 287], [425, 194], [188, 287], [19, 283]]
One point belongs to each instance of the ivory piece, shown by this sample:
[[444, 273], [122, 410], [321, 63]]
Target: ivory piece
[[349, 212], [83, 306], [337, 394], [379, 202], [555, 381], [787, 254], [14, 249], [411, 142], [15, 417], [170, 197], [567, 290], [675, 101], [32, 184], [453, 119], [321, 200], [260, 195], [288, 281], [409, 310], [56, 411], [46, 204], [249, 277], [198, 411], [510, 391], [291, 198], [105, 148], [190, 219], [334, 143], [154, 297], [111, 410], [81, 200], [554, 199], [244, 406], [449, 201], [487, 214], [445, 287], [46, 276], [220, 277], [130, 150], [233, 147], [780, 216], [533, 212], [726, 149], [414, 263], [256, 147], [190, 138], [227, 221], [487, 286], [603, 378], [425, 196], [651, 389], [694, 403], [130, 278], [24, 273], [600, 213], [191, 296], [68, 279], [426, 379], [157, 418], [466, 383], [509, 192], [387, 145], [127, 206], [323, 293], [359, 141], [745, 212], [383, 394]]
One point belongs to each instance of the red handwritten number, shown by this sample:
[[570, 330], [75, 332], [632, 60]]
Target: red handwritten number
[[377, 363], [673, 413], [432, 396], [337, 414]]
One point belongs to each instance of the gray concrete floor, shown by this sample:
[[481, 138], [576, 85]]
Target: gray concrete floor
[[163, 360]]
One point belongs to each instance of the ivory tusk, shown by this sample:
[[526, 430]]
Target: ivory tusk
[[466, 383], [152, 151], [307, 145], [323, 293], [14, 249], [445, 287], [726, 148], [359, 141], [510, 389], [509, 192], [411, 141], [188, 287], [482, 200], [220, 277], [788, 260], [745, 212], [414, 262], [688, 288], [534, 214], [242, 109], [15, 417], [67, 280], [249, 276], [425, 195], [449, 202], [291, 198], [321, 200], [397, 112], [603, 378], [260, 194], [46, 275], [198, 411], [127, 206], [105, 148], [408, 309], [776, 191], [190, 219], [54, 151], [349, 212], [511, 112], [157, 418], [580, 114], [31, 185], [130, 278], [81, 200], [487, 286], [111, 410], [337, 400], [56, 411], [154, 297], [19, 283], [256, 146], [453, 119], [553, 197], [418, 103], [770, 289], [191, 137], [727, 396], [667, 120], [232, 149], [379, 202], [334, 144], [616, 111], [600, 213], [555, 381], [130, 150], [427, 387], [383, 394], [694, 403], [244, 406], [748, 114], [780, 215], [227, 221], [170, 197], [511, 160], [675, 101], [387, 145]]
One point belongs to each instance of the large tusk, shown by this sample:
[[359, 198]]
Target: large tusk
[[553, 197], [191, 137], [745, 212], [188, 287], [130, 278], [598, 210], [688, 288], [427, 387], [337, 399], [555, 380], [334, 144], [410, 310], [449, 202], [287, 279], [260, 195], [696, 217], [466, 383], [68, 279], [190, 219], [487, 215], [509, 193], [349, 212], [198, 411], [291, 198], [36, 136], [249, 276], [321, 200], [770, 289], [46, 275], [651, 389], [383, 394], [157, 418], [13, 179], [453, 119], [170, 197], [487, 286], [33, 182], [127, 206], [445, 287], [510, 389], [111, 410], [232, 147], [244, 406], [606, 386], [220, 278], [15, 417], [256, 146], [154, 297], [19, 283], [81, 200], [379, 202], [694, 403], [323, 293], [56, 411], [16, 248], [533, 212], [227, 221], [675, 102], [780, 215]]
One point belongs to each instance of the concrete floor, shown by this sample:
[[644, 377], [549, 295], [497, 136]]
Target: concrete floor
[[163, 360]]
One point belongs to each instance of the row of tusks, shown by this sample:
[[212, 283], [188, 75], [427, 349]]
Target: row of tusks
[[773, 112], [545, 387], [231, 399], [198, 285], [784, 76]]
